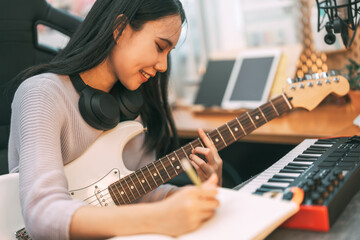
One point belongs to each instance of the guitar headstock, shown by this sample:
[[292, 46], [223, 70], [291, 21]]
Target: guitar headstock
[[310, 92]]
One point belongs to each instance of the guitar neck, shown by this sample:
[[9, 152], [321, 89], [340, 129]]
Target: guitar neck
[[146, 179]]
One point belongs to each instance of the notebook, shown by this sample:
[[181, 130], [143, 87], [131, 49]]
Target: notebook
[[239, 216]]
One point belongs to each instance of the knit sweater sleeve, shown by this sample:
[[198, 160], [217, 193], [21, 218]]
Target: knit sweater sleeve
[[37, 121]]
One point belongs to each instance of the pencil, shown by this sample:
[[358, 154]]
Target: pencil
[[190, 172]]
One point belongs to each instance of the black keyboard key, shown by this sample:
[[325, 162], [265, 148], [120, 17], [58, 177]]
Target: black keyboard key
[[298, 164], [273, 187], [284, 176], [298, 159], [282, 180], [290, 171], [295, 168]]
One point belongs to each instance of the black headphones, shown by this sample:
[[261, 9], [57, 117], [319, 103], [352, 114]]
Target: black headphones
[[103, 110]]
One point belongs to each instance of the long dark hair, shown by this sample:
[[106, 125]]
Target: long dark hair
[[93, 42]]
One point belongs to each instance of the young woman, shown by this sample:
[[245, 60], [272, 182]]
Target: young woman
[[123, 42]]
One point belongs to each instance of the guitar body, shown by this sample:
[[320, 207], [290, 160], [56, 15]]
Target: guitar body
[[88, 176], [101, 164]]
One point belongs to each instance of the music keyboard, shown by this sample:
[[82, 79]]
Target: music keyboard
[[328, 172]]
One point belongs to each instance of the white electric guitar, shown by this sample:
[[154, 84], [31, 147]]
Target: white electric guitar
[[111, 183]]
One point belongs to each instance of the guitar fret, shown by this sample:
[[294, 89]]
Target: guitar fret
[[226, 134], [251, 119], [209, 138], [274, 108], [165, 169], [234, 125], [177, 157], [129, 188], [200, 142], [221, 137], [134, 186], [242, 128], [179, 162], [258, 117], [152, 176], [287, 101], [170, 167], [146, 179], [262, 114], [157, 172], [185, 153], [231, 131], [172, 164], [269, 112], [122, 192], [140, 183]]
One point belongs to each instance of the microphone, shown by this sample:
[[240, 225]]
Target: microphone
[[342, 18]]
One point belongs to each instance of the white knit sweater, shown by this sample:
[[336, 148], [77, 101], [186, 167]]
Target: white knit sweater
[[47, 132]]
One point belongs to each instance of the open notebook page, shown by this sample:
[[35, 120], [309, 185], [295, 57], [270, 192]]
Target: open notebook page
[[239, 216]]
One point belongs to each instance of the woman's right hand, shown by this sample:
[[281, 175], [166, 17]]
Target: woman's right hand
[[188, 208]]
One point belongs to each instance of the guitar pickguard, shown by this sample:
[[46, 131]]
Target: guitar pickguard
[[97, 194]]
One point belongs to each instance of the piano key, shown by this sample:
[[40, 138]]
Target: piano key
[[281, 180], [290, 171], [301, 164], [309, 156], [295, 168], [287, 175], [298, 159], [313, 151], [275, 185], [324, 146], [262, 190], [326, 141]]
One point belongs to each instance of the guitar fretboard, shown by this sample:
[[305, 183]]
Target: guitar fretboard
[[146, 179]]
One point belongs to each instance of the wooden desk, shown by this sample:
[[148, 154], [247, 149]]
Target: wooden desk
[[327, 120]]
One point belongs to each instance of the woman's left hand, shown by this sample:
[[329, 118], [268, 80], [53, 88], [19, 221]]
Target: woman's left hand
[[213, 161]]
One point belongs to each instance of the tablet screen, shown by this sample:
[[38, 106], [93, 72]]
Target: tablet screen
[[251, 79]]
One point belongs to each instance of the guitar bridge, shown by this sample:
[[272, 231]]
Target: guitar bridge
[[22, 235]]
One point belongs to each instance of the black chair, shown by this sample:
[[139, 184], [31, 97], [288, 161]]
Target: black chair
[[19, 49]]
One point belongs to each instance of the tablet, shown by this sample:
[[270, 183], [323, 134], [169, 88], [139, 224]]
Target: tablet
[[213, 85], [251, 78]]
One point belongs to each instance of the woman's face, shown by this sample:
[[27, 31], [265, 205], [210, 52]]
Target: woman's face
[[139, 55]]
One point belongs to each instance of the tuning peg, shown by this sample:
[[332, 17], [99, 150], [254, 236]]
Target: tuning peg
[[324, 75], [307, 77], [290, 80], [298, 79], [315, 76]]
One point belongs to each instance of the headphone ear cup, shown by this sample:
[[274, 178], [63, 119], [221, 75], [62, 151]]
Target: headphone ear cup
[[99, 109], [130, 102]]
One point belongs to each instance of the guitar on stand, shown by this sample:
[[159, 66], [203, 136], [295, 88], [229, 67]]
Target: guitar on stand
[[111, 183]]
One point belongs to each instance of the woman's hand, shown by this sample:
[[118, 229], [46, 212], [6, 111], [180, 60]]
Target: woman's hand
[[188, 208], [213, 163]]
